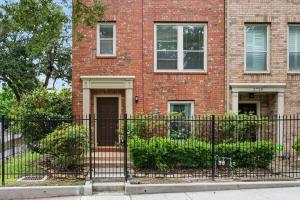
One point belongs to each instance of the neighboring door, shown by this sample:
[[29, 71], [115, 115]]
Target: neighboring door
[[107, 120], [248, 108]]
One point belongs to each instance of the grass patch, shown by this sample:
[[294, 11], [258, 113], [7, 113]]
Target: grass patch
[[23, 164]]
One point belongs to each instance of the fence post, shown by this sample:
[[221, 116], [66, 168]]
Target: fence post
[[213, 162], [3, 150], [90, 146], [125, 148]]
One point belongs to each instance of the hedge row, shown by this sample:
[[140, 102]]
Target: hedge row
[[161, 153]]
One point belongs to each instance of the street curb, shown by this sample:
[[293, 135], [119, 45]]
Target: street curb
[[108, 187], [40, 192], [201, 187]]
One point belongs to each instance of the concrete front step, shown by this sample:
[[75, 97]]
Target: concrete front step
[[109, 149]]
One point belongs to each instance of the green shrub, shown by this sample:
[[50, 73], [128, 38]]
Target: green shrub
[[41, 112], [248, 154], [242, 127], [296, 146], [162, 154], [65, 147], [7, 100]]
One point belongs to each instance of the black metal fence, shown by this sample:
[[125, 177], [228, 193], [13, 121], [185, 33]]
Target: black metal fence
[[34, 149], [202, 147]]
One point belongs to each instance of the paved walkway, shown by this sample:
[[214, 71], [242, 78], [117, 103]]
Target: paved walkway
[[255, 194]]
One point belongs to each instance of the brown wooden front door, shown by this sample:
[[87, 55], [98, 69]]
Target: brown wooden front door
[[107, 121]]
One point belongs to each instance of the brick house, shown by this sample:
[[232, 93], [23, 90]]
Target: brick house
[[152, 56], [263, 56]]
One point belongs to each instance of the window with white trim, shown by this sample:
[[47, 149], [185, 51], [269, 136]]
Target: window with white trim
[[181, 127], [257, 51], [185, 108], [294, 48], [180, 47], [106, 39]]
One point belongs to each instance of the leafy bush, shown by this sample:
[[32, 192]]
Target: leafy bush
[[150, 125], [242, 127], [65, 147], [162, 154], [296, 146], [7, 100], [248, 154], [41, 112]]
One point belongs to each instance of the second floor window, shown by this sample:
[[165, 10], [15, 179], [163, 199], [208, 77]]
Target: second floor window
[[180, 47], [294, 48], [106, 39], [256, 48]]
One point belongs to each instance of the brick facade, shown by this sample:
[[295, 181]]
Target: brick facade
[[278, 14], [135, 20]]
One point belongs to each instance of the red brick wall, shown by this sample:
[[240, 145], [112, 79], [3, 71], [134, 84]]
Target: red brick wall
[[135, 21]]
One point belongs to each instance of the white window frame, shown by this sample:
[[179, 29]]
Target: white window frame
[[98, 40], [182, 102], [245, 49], [180, 59], [288, 51]]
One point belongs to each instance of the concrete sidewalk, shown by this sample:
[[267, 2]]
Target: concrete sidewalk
[[253, 194]]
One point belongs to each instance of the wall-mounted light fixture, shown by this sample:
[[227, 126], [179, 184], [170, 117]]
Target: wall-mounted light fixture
[[137, 99]]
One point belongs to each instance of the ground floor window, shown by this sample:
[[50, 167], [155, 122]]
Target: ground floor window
[[185, 108], [181, 127]]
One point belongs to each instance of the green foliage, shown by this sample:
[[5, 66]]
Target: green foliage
[[296, 146], [35, 39], [42, 111], [163, 154], [7, 100], [17, 70], [242, 127], [145, 126], [86, 15], [149, 125], [66, 147], [248, 154]]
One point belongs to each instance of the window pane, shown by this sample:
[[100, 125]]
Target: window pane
[[106, 46], [167, 60], [193, 37], [256, 61], [294, 39], [183, 108], [294, 48], [193, 60], [166, 37], [106, 31], [256, 38], [294, 61]]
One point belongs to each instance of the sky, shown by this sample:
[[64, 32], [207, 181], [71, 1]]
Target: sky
[[59, 83]]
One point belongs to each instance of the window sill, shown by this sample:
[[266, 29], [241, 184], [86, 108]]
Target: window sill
[[180, 72], [257, 73], [293, 73], [106, 57]]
